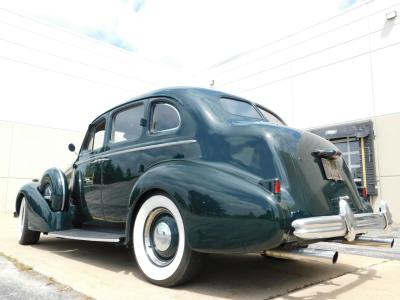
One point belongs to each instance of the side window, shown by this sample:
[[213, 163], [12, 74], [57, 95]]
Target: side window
[[95, 137], [164, 117], [126, 124]]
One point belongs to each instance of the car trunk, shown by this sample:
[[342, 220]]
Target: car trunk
[[306, 188]]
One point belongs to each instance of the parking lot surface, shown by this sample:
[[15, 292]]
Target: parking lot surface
[[105, 271], [26, 284]]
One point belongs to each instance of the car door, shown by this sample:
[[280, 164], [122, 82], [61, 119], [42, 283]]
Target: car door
[[122, 167], [89, 165]]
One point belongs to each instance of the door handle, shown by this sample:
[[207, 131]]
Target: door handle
[[101, 159]]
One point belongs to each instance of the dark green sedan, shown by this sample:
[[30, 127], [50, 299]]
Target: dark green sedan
[[181, 172]]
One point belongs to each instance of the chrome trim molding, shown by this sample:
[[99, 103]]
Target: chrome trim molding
[[101, 159], [136, 149], [74, 234], [165, 130], [346, 224], [153, 146]]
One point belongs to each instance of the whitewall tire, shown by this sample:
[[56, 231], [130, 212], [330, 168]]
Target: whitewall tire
[[24, 235], [160, 245]]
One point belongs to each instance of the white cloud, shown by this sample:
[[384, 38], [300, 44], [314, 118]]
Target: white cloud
[[188, 34]]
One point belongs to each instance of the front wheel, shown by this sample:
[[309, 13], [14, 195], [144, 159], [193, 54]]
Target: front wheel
[[24, 235], [159, 243]]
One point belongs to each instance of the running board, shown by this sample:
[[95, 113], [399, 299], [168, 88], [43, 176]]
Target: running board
[[88, 235]]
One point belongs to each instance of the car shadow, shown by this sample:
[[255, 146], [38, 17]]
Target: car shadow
[[227, 276], [332, 290]]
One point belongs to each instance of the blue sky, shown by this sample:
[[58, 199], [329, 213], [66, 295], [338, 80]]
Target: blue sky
[[183, 33]]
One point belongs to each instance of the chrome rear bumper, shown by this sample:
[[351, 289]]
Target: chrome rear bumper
[[346, 224]]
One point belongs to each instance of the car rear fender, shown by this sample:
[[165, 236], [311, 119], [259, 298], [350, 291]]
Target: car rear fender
[[222, 212]]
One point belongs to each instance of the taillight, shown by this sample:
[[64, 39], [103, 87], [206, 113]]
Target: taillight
[[277, 186], [273, 185]]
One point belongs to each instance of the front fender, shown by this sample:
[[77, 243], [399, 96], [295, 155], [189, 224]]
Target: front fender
[[40, 216], [222, 212]]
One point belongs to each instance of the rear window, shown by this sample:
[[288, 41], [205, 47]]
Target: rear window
[[270, 117], [239, 108]]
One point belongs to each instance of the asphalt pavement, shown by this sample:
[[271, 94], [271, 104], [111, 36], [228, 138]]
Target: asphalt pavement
[[24, 284], [106, 271]]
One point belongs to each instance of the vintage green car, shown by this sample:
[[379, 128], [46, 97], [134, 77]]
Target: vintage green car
[[181, 172]]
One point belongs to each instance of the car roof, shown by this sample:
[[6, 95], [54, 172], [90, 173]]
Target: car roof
[[177, 92]]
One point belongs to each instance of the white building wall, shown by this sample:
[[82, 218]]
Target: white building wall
[[388, 142], [53, 84], [342, 69], [27, 151], [56, 78]]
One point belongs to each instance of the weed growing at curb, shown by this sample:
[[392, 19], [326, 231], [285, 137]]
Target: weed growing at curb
[[49, 280], [19, 265]]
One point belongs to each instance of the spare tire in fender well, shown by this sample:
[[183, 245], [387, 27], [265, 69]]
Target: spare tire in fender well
[[57, 197]]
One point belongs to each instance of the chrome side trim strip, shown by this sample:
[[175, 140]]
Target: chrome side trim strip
[[101, 159], [88, 235], [104, 240], [138, 149]]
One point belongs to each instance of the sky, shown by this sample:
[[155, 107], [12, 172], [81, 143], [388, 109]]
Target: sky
[[187, 34]]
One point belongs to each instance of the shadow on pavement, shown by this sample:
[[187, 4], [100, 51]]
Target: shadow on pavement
[[230, 276], [332, 290]]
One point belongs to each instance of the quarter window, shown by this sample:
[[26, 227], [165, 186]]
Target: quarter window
[[126, 125], [165, 117]]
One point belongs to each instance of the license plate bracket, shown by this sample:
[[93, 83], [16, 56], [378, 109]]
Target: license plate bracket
[[331, 169]]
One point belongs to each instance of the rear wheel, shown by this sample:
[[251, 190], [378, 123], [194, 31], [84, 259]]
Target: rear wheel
[[25, 236], [159, 243]]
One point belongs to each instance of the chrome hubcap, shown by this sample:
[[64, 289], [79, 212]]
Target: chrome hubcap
[[161, 237], [47, 193]]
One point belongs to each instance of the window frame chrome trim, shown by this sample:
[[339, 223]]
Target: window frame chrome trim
[[153, 106]]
